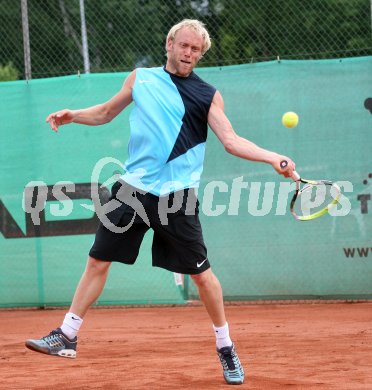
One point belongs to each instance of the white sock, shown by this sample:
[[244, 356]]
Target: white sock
[[71, 325], [222, 336]]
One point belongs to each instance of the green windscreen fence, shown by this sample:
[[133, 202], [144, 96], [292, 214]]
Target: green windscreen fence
[[256, 248]]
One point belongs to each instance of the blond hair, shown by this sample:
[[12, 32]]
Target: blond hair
[[194, 25]]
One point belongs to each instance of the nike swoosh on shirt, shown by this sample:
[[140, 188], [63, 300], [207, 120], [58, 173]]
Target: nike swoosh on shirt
[[144, 81], [200, 264]]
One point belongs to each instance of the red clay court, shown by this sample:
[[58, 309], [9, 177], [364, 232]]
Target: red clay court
[[282, 346]]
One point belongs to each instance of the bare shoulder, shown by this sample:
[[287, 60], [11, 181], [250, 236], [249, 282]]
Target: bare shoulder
[[218, 100], [129, 81], [217, 119]]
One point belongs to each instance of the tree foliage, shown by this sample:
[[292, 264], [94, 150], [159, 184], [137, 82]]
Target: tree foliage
[[8, 72], [123, 34]]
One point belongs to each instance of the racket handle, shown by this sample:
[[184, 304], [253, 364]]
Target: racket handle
[[295, 176]]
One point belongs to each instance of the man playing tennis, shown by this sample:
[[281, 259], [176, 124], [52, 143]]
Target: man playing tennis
[[169, 123]]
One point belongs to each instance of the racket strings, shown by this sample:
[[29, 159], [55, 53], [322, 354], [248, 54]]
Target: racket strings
[[315, 198]]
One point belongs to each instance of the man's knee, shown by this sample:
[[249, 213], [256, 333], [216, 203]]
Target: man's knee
[[204, 279], [96, 266]]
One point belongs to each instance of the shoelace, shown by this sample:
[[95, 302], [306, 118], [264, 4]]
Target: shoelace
[[229, 360], [53, 339]]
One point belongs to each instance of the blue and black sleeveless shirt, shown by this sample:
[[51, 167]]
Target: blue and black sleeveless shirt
[[169, 126]]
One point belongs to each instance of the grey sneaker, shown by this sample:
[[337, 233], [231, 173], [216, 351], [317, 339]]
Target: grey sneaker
[[56, 343], [233, 371]]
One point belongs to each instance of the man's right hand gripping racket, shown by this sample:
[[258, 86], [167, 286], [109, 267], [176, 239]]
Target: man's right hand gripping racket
[[314, 199]]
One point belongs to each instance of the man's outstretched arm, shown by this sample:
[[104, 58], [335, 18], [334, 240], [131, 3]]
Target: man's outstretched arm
[[96, 115], [239, 146]]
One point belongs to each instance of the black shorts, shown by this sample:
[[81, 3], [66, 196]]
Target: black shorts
[[178, 244]]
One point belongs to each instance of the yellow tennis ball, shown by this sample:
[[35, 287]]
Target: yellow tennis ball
[[290, 119]]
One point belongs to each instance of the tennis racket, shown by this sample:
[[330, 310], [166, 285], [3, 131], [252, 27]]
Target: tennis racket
[[314, 199]]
